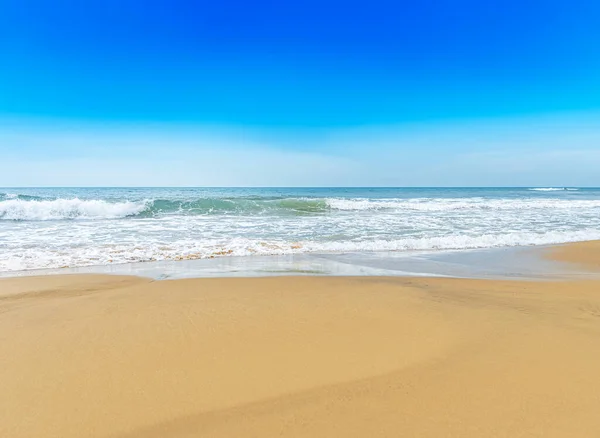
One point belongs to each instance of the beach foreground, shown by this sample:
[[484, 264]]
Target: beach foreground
[[104, 356]]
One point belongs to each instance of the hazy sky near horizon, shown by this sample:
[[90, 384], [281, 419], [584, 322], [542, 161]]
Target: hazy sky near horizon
[[232, 93]]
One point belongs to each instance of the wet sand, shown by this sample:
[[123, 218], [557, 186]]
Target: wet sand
[[108, 356]]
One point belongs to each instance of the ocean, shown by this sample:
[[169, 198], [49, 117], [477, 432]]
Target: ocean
[[74, 227]]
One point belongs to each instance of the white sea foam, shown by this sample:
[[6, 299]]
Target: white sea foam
[[459, 242], [552, 189], [45, 210], [448, 204], [78, 255]]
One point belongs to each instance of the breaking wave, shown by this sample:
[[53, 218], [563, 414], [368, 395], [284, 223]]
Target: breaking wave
[[30, 208], [45, 210], [553, 189]]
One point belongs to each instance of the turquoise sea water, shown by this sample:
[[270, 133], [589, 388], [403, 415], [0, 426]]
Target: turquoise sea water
[[60, 227]]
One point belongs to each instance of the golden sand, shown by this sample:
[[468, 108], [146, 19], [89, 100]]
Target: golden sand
[[101, 356], [581, 254]]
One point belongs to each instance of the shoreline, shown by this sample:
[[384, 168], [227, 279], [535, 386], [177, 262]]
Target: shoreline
[[127, 357], [524, 262]]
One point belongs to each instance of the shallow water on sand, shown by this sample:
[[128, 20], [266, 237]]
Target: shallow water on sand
[[494, 263]]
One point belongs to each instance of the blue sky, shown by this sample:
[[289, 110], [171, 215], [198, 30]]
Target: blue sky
[[299, 93]]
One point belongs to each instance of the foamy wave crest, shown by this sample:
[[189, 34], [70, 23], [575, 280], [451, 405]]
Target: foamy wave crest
[[46, 210], [31, 208], [552, 189]]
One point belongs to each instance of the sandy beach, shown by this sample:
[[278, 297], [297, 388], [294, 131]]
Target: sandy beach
[[126, 357]]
